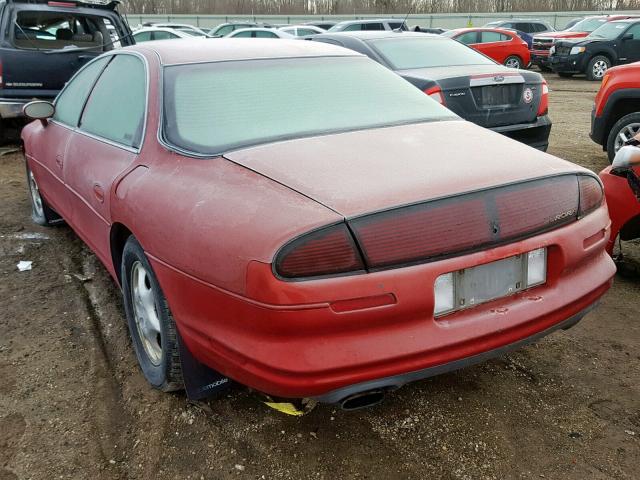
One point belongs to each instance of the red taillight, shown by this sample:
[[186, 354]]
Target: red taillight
[[591, 194], [327, 251], [421, 231], [436, 93], [539, 205], [544, 99]]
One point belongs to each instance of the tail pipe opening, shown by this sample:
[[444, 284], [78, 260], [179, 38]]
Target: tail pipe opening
[[361, 400]]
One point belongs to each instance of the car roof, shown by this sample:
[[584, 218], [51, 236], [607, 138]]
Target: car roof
[[377, 34], [204, 50], [370, 20], [626, 20]]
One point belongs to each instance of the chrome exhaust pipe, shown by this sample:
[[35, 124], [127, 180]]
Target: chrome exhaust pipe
[[360, 400]]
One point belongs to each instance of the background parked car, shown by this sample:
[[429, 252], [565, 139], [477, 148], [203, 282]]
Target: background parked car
[[226, 28], [524, 28], [147, 34], [370, 24], [616, 113], [614, 43], [301, 30], [504, 46], [323, 24], [511, 102], [182, 27], [259, 33], [542, 43], [42, 44]]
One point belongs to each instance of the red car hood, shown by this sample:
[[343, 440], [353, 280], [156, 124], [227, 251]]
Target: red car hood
[[562, 35], [364, 171]]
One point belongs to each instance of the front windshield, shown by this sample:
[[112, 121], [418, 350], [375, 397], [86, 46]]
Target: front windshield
[[409, 53], [609, 31], [216, 107], [588, 25]]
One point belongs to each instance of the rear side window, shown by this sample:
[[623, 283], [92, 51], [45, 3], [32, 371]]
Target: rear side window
[[116, 107], [142, 36], [70, 102], [261, 34], [162, 35], [243, 35], [468, 38], [372, 26], [488, 37]]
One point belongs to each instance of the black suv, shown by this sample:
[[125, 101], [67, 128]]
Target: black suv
[[42, 44], [614, 43]]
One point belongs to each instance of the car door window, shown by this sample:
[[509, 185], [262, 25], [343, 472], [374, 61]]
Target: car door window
[[243, 35], [372, 26], [523, 27], [70, 102], [635, 31], [306, 31], [490, 37], [116, 106], [468, 38], [261, 34], [162, 35], [142, 37]]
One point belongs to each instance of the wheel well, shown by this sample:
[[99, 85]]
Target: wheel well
[[118, 237], [622, 107], [631, 229]]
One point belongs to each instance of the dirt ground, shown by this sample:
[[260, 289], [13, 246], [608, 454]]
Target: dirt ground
[[73, 403]]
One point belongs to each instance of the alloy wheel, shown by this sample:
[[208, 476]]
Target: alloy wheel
[[599, 69], [145, 312], [625, 134]]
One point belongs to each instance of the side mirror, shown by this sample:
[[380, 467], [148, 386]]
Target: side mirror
[[39, 110], [627, 36], [627, 157]]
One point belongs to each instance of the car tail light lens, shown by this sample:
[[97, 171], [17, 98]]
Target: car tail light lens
[[436, 94], [591, 194], [544, 100], [327, 251]]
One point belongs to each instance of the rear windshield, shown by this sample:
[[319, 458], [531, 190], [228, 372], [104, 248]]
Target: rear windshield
[[408, 53], [49, 30], [215, 107]]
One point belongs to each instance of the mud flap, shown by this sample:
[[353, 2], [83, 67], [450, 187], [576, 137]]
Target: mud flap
[[200, 381]]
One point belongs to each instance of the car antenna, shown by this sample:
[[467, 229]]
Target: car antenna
[[404, 22]]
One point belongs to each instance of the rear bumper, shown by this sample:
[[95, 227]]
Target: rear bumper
[[535, 134], [12, 108], [287, 338], [397, 381]]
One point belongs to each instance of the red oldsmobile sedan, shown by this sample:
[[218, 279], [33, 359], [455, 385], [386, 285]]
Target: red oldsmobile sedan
[[504, 46], [306, 222]]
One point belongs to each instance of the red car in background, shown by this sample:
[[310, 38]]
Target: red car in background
[[542, 43], [367, 238], [503, 46], [615, 118]]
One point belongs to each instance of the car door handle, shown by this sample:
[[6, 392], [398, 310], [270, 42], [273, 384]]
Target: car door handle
[[98, 191]]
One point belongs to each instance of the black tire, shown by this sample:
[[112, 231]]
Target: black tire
[[565, 74], [165, 373], [628, 122], [41, 213], [597, 67], [513, 61]]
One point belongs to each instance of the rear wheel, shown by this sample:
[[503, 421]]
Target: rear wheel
[[624, 130], [151, 325], [597, 67], [41, 213], [513, 62]]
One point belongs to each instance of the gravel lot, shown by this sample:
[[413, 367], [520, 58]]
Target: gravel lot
[[73, 403]]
